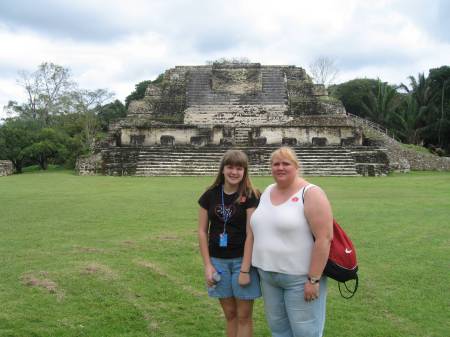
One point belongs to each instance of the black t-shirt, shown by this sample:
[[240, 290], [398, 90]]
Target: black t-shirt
[[211, 200]]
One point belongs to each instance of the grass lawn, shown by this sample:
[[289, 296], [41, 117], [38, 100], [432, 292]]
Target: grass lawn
[[118, 256]]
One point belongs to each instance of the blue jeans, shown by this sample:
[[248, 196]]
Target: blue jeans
[[287, 313], [229, 286]]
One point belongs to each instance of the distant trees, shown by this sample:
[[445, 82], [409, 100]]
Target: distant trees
[[57, 122], [417, 112]]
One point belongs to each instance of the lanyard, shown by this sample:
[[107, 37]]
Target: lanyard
[[225, 214]]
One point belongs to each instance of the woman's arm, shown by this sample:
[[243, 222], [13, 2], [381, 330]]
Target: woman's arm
[[320, 219], [203, 243], [244, 276]]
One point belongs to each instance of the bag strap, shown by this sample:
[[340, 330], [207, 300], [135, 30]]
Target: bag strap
[[351, 292], [305, 188]]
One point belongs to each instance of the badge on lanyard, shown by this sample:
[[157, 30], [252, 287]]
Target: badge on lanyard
[[223, 240]]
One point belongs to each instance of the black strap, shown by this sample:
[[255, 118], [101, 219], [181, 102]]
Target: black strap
[[349, 291]]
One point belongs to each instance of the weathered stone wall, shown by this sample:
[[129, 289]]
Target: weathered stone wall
[[370, 161], [402, 159], [237, 78], [6, 168], [89, 165], [120, 161], [232, 115], [152, 135]]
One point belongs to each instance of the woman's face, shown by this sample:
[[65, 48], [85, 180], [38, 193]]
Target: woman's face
[[283, 170], [233, 174]]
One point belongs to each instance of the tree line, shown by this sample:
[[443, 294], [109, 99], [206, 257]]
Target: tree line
[[60, 121], [417, 112]]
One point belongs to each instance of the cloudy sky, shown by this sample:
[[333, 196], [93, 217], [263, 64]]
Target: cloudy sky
[[115, 44]]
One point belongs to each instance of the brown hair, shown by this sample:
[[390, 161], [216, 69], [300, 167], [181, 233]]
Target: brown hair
[[287, 153], [237, 158]]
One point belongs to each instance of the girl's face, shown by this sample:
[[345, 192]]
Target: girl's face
[[233, 174], [283, 170]]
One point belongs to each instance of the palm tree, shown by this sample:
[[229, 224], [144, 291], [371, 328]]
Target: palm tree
[[381, 104], [407, 121]]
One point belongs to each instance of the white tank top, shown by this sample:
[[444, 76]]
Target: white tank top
[[283, 240]]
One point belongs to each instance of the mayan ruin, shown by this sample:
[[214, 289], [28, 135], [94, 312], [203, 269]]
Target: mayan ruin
[[189, 119]]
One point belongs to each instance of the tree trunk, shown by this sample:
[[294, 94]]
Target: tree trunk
[[17, 165]]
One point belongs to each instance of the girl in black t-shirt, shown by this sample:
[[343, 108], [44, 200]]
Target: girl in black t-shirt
[[226, 242]]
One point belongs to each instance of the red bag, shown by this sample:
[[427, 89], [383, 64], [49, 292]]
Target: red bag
[[341, 265]]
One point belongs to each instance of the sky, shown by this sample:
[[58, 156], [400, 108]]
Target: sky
[[115, 44]]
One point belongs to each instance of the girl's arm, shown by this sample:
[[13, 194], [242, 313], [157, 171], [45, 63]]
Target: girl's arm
[[244, 276], [203, 243], [320, 218]]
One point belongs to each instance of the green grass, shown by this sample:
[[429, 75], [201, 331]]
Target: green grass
[[109, 256]]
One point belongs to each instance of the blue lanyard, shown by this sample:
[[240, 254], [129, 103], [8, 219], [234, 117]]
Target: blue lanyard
[[224, 214]]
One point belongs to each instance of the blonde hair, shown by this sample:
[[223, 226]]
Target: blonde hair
[[236, 158], [287, 153]]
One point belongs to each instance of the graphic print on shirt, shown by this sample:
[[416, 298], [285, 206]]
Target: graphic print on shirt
[[230, 210]]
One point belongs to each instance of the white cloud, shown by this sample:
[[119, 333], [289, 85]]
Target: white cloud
[[114, 44]]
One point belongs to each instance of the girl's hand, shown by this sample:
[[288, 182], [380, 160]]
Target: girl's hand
[[209, 271], [244, 279]]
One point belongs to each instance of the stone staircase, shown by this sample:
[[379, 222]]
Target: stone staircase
[[189, 161], [205, 106], [199, 90]]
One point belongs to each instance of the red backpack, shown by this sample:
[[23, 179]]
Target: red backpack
[[341, 265]]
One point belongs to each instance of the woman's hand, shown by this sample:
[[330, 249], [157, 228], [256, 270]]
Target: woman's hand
[[311, 291], [209, 271], [244, 279]]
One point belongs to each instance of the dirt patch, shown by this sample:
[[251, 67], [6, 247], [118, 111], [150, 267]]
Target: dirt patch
[[167, 238], [154, 267], [43, 282], [99, 269], [175, 280], [88, 249]]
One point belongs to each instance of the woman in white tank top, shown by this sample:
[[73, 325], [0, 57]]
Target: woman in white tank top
[[291, 246]]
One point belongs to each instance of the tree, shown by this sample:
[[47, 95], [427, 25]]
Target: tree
[[138, 93], [323, 70], [408, 120], [381, 104], [47, 91], [109, 112], [88, 103], [440, 85], [48, 144], [15, 135], [352, 93]]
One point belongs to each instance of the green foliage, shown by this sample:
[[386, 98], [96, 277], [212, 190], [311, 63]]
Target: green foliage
[[110, 112], [118, 256], [15, 135], [48, 144], [381, 104], [352, 94], [139, 91]]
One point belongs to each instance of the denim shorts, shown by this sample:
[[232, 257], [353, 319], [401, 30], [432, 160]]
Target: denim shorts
[[228, 286]]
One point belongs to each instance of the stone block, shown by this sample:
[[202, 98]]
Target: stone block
[[137, 140], [199, 140], [319, 141], [6, 168], [227, 142], [167, 140], [289, 141], [259, 141]]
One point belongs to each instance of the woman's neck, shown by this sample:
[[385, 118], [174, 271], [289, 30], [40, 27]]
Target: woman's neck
[[230, 189], [287, 187]]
